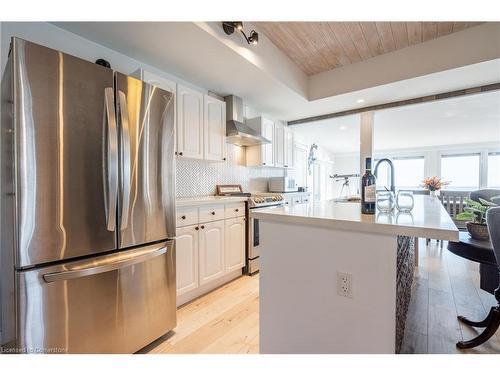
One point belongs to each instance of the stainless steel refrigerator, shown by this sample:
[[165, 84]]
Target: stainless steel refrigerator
[[87, 206]]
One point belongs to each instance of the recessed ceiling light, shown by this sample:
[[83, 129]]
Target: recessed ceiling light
[[360, 101], [342, 128]]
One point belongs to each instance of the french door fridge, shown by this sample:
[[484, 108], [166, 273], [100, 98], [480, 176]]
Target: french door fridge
[[88, 206]]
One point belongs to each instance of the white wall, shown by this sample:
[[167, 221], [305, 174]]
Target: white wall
[[56, 38], [346, 164]]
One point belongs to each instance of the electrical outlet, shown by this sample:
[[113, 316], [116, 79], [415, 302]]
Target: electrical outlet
[[344, 284]]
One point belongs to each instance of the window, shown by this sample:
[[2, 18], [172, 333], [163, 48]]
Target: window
[[493, 170], [408, 172], [462, 171]]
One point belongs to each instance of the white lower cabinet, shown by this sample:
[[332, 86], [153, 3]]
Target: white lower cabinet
[[211, 251], [235, 244], [187, 259]]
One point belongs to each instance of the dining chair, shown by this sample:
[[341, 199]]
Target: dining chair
[[454, 202], [492, 321], [486, 194]]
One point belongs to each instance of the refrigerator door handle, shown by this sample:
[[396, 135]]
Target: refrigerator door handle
[[112, 160], [125, 155], [110, 263]]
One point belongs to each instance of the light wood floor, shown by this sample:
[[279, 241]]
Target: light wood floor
[[445, 286], [226, 320]]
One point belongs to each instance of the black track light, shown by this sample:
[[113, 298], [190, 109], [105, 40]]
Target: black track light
[[229, 28]]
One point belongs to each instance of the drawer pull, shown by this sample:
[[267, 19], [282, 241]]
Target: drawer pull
[[183, 217], [213, 212], [196, 228], [202, 227], [236, 209]]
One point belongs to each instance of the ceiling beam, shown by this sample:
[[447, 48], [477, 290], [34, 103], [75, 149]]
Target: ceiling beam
[[400, 103]]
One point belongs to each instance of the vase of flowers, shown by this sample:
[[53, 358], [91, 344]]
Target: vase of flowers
[[434, 184]]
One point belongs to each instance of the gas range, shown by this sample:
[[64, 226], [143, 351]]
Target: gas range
[[258, 200]]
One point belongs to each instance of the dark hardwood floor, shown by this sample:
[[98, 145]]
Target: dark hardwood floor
[[445, 286]]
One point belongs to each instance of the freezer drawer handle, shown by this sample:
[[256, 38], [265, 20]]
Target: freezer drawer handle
[[113, 263]]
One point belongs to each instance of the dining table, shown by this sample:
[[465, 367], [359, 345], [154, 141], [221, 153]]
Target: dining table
[[480, 251]]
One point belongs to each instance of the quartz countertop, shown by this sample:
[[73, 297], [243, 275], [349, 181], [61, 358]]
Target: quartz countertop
[[207, 200], [428, 219]]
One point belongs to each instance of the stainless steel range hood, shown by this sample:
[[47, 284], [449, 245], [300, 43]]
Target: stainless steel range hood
[[236, 131]]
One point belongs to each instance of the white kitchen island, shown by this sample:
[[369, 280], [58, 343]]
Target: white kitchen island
[[307, 250]]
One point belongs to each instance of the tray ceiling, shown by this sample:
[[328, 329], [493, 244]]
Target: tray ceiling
[[320, 46]]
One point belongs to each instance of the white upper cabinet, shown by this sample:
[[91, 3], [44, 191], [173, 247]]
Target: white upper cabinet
[[162, 83], [189, 123], [288, 148], [268, 148], [214, 129], [155, 79], [261, 155], [279, 144], [300, 164]]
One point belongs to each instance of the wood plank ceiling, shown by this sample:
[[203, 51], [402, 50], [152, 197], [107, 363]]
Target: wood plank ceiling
[[320, 46]]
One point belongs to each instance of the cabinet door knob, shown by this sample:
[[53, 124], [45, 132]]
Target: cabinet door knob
[[183, 217], [236, 209], [202, 227], [224, 159], [196, 228], [213, 212], [176, 152], [263, 163], [180, 153]]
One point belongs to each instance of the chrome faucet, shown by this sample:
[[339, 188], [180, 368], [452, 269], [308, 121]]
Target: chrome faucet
[[391, 167]]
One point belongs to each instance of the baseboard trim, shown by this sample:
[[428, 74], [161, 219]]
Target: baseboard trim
[[204, 289]]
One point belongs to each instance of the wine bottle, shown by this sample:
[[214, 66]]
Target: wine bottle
[[368, 190]]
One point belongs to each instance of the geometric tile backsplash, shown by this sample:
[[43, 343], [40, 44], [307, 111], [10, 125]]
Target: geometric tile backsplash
[[199, 177]]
